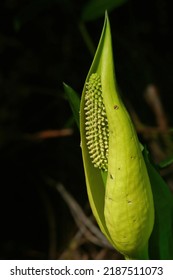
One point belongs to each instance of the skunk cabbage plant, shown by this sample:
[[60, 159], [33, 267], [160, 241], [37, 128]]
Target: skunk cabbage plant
[[131, 202], [117, 181]]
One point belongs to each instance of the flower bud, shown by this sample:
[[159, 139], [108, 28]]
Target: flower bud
[[116, 176]]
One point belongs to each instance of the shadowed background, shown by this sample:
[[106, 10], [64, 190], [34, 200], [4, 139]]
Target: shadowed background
[[44, 43]]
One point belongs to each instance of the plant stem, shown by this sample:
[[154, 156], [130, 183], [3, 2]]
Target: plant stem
[[142, 255]]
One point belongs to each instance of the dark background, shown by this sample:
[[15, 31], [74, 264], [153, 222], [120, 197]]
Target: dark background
[[42, 46]]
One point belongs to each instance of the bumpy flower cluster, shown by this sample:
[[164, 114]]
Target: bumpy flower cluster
[[96, 124]]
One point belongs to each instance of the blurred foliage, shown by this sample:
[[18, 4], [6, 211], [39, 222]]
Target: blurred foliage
[[43, 45]]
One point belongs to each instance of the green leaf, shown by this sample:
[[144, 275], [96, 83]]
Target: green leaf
[[161, 240], [166, 162], [74, 101], [96, 8]]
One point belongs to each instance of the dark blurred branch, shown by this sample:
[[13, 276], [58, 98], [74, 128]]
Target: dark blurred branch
[[85, 225], [90, 231], [51, 220], [152, 97], [158, 138], [42, 135]]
